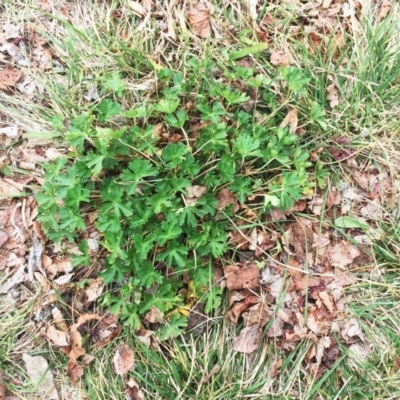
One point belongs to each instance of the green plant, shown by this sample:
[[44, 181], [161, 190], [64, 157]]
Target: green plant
[[139, 182]]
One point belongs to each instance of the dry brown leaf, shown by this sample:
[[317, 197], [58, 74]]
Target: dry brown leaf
[[351, 331], [106, 330], [59, 266], [74, 371], [291, 119], [327, 301], [75, 338], [9, 78], [132, 390], [215, 369], [145, 336], [275, 365], [59, 320], [246, 277], [258, 314], [226, 197], [384, 9], [333, 95], [94, 290], [280, 58], [342, 253], [276, 329], [124, 359], [87, 359], [57, 337], [137, 8], [199, 19], [10, 131], [317, 322], [333, 198], [248, 339], [240, 302], [154, 315]]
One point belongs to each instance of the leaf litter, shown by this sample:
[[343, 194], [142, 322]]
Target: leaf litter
[[305, 248]]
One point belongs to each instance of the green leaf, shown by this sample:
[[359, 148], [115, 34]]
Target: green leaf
[[257, 48], [348, 222], [114, 83]]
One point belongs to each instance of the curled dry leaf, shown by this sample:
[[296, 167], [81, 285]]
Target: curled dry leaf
[[213, 371], [59, 320], [226, 197], [248, 339], [74, 371], [246, 277], [199, 19], [9, 78], [333, 95], [124, 359], [291, 119], [154, 315], [280, 58], [240, 302], [132, 390]]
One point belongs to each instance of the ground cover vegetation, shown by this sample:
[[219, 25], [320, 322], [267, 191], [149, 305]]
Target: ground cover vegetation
[[199, 200]]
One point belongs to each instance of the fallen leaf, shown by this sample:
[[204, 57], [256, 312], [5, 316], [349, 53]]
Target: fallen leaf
[[11, 31], [280, 58], [350, 331], [384, 9], [137, 8], [215, 369], [248, 339], [154, 315], [238, 303], [226, 197], [64, 279], [57, 337], [199, 19], [124, 359], [10, 131], [38, 370], [333, 95], [94, 290], [18, 277], [342, 253], [246, 277], [132, 390], [106, 330], [291, 119], [276, 363], [59, 320], [9, 78], [258, 314], [317, 322], [276, 328], [74, 371], [87, 359]]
